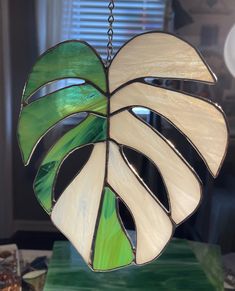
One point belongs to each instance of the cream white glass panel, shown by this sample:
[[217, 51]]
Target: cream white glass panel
[[183, 187], [202, 122], [76, 210], [157, 55], [153, 226]]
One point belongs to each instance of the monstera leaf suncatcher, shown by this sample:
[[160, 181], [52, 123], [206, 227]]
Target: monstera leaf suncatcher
[[87, 212]]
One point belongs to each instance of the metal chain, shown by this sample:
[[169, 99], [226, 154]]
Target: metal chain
[[110, 33]]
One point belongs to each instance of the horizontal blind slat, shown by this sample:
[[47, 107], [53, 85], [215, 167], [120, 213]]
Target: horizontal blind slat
[[125, 4], [92, 11], [117, 26], [120, 18]]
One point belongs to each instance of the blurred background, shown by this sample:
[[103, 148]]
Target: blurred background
[[29, 27]]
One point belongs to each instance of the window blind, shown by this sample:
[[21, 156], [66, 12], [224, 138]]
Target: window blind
[[88, 20]]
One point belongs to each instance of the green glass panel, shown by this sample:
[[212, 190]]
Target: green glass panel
[[72, 59], [92, 129], [39, 116], [112, 247], [177, 269]]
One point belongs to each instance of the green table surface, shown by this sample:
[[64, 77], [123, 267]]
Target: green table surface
[[183, 266]]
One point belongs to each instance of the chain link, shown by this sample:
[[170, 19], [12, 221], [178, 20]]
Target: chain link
[[110, 33]]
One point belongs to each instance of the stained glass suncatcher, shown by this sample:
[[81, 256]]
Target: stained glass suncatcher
[[87, 212]]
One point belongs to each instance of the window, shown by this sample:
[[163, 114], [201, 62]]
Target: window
[[88, 20]]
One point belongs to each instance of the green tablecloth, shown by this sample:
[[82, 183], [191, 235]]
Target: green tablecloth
[[183, 266]]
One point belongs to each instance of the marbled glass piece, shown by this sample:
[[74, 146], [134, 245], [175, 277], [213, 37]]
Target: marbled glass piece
[[157, 54], [70, 59], [201, 121], [39, 116], [177, 269], [75, 212], [112, 249], [153, 226], [91, 130], [182, 184]]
